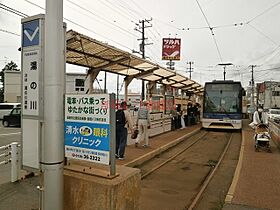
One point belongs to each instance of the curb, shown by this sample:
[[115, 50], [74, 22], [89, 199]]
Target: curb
[[231, 191], [159, 150]]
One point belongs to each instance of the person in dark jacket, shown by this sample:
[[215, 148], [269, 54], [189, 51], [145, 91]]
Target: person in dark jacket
[[123, 122]]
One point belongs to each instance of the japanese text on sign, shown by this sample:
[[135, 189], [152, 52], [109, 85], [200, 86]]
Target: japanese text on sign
[[87, 108], [171, 49], [30, 68], [87, 127]]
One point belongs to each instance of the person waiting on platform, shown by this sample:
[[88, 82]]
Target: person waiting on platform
[[123, 122], [179, 113], [174, 116], [190, 113], [183, 113], [143, 123]]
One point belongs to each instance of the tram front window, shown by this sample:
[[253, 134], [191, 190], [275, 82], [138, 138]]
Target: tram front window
[[222, 99]]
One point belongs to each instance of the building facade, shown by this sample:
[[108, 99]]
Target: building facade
[[75, 83], [269, 94]]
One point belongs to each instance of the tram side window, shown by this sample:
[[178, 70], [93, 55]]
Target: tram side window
[[6, 106]]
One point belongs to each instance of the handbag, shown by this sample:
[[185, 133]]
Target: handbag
[[134, 133]]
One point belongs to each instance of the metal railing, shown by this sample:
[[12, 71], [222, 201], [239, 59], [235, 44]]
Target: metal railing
[[10, 154]]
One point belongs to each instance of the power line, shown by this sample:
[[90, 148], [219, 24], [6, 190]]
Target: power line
[[9, 32], [105, 20], [266, 10], [9, 9], [81, 26], [12, 11], [123, 8], [112, 8], [211, 30], [137, 5], [131, 9], [263, 34]]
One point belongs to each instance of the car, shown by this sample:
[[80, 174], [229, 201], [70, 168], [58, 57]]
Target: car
[[12, 119], [6, 108], [274, 114]]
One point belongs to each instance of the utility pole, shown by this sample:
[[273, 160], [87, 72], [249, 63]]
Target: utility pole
[[252, 87], [141, 29], [190, 68]]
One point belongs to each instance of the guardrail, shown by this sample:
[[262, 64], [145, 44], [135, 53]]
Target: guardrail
[[275, 129], [10, 154]]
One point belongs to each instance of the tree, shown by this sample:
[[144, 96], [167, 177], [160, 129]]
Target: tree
[[11, 66]]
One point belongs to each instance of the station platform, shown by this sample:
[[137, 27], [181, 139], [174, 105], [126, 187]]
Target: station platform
[[137, 155], [255, 185], [23, 195]]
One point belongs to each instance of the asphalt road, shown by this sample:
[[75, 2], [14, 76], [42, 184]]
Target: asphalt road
[[7, 136]]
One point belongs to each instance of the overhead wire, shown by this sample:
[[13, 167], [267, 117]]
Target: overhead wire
[[112, 8], [81, 26], [201, 27], [265, 11], [138, 6], [211, 30], [259, 31], [9, 32], [4, 7], [123, 8], [100, 17], [123, 3], [97, 15], [271, 57], [133, 13]]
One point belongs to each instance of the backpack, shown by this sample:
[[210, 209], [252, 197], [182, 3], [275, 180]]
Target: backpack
[[120, 118]]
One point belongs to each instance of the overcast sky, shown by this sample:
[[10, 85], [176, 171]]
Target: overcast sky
[[246, 32]]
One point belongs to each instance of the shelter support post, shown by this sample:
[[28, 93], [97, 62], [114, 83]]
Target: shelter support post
[[151, 89], [163, 89], [91, 76], [127, 81]]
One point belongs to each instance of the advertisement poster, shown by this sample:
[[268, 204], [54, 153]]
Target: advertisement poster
[[171, 49], [155, 104], [87, 127], [169, 103]]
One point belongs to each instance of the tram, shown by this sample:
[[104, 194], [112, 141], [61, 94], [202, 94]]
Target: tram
[[222, 105]]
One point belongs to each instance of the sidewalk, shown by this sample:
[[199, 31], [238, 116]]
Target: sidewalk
[[257, 177], [23, 195]]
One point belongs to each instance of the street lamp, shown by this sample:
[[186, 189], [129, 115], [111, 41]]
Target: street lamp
[[224, 65]]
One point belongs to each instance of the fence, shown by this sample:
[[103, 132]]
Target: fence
[[10, 154]]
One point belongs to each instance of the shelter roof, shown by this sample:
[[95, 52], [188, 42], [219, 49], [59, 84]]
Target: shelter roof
[[88, 52]]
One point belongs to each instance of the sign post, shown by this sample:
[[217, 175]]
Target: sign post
[[32, 89]]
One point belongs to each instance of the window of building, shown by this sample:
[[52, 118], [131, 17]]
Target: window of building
[[275, 93], [79, 84]]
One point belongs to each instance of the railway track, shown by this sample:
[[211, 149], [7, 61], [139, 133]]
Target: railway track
[[177, 178]]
